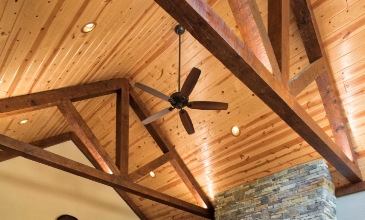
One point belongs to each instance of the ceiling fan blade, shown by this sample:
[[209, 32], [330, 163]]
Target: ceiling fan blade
[[156, 116], [207, 105], [152, 91], [186, 121], [190, 82]]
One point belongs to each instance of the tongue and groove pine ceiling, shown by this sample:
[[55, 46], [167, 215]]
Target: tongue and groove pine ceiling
[[43, 49]]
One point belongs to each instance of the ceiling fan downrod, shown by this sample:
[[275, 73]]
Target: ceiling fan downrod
[[179, 30]]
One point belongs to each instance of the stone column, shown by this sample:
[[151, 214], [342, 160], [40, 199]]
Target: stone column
[[302, 192]]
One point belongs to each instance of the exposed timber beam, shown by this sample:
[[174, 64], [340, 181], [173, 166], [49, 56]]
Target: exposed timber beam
[[82, 147], [306, 29], [350, 189], [210, 30], [313, 44], [146, 169], [278, 31], [122, 129], [96, 164], [127, 199], [42, 156], [25, 103], [254, 34], [85, 134], [299, 82], [166, 146], [44, 143]]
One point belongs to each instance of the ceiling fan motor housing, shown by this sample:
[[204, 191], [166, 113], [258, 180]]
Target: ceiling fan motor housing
[[178, 101]]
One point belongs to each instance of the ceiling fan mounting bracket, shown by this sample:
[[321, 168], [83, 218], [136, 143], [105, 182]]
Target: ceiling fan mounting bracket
[[179, 29]]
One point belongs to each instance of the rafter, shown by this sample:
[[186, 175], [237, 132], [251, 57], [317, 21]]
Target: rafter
[[254, 34], [278, 31], [299, 82], [313, 44], [115, 181], [166, 146], [41, 100], [211, 31]]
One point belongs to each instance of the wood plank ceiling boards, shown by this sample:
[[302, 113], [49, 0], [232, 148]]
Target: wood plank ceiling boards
[[291, 71]]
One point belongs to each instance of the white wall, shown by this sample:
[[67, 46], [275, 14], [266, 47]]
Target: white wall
[[351, 207], [29, 190]]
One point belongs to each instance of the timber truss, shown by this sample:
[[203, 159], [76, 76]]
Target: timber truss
[[249, 60], [105, 171], [245, 60]]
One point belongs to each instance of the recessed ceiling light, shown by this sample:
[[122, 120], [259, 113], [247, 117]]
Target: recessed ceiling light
[[235, 131], [88, 27], [152, 174], [23, 121]]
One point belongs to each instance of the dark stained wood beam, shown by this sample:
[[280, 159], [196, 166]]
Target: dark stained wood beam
[[350, 189], [122, 129], [36, 101], [96, 164], [127, 199], [115, 181], [254, 34], [278, 31], [44, 143], [210, 30], [85, 134], [299, 82], [166, 146], [306, 29], [146, 169], [82, 147], [313, 44]]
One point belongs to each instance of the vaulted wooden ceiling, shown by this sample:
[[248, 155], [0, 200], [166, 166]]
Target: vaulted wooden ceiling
[[43, 49]]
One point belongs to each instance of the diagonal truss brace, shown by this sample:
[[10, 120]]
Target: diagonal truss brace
[[314, 47]]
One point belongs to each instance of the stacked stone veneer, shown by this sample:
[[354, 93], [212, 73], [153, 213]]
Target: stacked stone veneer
[[302, 192]]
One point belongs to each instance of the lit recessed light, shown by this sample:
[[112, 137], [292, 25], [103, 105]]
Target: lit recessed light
[[152, 174], [88, 27], [235, 131], [23, 121]]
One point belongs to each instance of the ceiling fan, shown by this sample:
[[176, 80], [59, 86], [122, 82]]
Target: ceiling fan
[[180, 99]]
